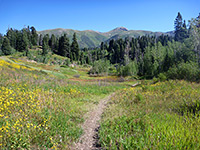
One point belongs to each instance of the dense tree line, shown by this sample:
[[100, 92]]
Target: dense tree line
[[144, 56], [177, 56], [23, 40], [16, 40], [61, 46]]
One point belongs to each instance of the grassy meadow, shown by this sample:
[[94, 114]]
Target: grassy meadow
[[162, 115], [42, 107]]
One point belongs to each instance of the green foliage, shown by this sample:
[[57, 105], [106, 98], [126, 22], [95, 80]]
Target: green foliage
[[34, 36], [6, 48], [194, 37], [22, 42], [45, 46], [64, 46], [164, 115], [67, 62], [180, 29], [52, 43], [91, 39], [128, 70], [152, 55], [12, 36], [187, 71], [25, 41], [75, 48], [100, 67], [162, 77]]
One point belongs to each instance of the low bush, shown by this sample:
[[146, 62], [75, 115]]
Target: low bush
[[187, 71], [128, 70], [100, 67]]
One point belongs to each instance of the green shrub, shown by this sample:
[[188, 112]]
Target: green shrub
[[67, 62], [155, 80], [112, 70], [162, 77], [100, 67], [128, 70], [187, 71]]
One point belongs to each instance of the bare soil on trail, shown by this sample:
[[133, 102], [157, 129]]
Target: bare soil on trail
[[89, 139]]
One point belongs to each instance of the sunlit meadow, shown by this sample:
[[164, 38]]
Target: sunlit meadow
[[164, 115], [40, 110]]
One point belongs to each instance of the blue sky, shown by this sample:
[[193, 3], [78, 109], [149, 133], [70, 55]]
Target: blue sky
[[98, 15]]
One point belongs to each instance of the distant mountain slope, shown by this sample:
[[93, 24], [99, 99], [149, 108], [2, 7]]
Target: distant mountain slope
[[90, 38], [87, 38]]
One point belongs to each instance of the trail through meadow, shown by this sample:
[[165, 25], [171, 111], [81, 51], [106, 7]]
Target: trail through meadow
[[89, 139]]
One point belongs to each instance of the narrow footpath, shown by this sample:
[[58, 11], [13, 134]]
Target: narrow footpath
[[89, 139]]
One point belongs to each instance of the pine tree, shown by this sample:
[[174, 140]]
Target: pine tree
[[28, 34], [64, 46], [116, 54], [19, 41], [52, 43], [178, 24], [25, 41], [75, 48], [40, 39], [45, 46], [22, 41], [34, 36], [102, 46], [184, 31], [11, 35], [82, 59], [111, 50], [6, 48], [1, 39]]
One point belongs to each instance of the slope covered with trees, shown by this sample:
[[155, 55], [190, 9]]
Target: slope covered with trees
[[143, 56], [91, 39]]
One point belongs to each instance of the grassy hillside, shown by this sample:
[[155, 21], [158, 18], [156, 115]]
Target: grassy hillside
[[42, 106], [89, 38]]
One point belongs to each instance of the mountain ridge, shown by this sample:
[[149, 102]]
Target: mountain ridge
[[91, 38]]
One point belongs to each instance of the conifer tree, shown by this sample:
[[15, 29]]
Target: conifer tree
[[28, 33], [34, 36], [102, 46], [178, 25], [40, 39], [25, 41], [11, 35], [22, 41], [52, 43], [1, 40], [75, 48], [45, 47], [184, 30], [64, 46], [6, 48]]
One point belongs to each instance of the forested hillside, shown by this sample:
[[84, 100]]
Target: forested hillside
[[91, 39], [146, 56]]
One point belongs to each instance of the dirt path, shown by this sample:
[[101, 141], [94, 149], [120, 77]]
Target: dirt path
[[89, 139]]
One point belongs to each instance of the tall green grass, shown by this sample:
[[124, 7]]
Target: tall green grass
[[41, 110], [164, 115]]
